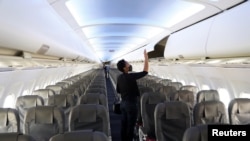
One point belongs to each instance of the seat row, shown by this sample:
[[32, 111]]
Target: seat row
[[46, 113], [87, 135], [177, 108]]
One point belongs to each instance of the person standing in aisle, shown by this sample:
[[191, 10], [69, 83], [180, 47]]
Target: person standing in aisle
[[128, 89]]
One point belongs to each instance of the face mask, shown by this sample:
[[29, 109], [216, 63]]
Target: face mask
[[130, 68]]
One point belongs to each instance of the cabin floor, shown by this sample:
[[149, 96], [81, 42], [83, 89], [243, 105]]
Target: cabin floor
[[115, 119]]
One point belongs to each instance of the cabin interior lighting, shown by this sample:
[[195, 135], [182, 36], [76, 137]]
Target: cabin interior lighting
[[111, 21], [9, 101]]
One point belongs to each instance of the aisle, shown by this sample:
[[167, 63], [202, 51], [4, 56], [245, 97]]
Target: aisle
[[115, 120]]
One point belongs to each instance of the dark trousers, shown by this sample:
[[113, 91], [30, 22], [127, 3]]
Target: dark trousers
[[129, 114]]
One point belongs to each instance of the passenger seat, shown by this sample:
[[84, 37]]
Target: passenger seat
[[210, 112], [89, 116], [148, 103], [43, 122], [9, 120], [207, 95], [239, 111], [196, 133], [171, 120], [81, 135], [15, 137], [44, 93], [23, 103]]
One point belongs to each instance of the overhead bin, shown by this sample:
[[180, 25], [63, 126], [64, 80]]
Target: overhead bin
[[189, 42], [224, 35], [229, 35]]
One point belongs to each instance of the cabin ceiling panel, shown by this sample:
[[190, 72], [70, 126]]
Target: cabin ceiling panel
[[79, 28]]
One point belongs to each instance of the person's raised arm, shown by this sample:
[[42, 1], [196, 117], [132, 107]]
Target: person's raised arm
[[145, 61]]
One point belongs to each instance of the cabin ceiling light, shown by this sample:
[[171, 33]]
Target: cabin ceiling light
[[130, 21]]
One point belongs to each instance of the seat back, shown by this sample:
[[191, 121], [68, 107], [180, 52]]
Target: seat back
[[15, 137], [148, 103], [86, 135], [171, 120], [191, 88], [9, 120], [44, 93], [89, 116], [23, 103], [210, 112], [93, 98], [56, 88], [96, 90], [168, 91], [207, 95], [187, 97], [43, 122], [177, 85], [196, 133], [239, 111], [72, 91], [65, 102]]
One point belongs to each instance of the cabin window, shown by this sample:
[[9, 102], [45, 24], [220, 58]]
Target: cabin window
[[26, 92], [205, 87], [9, 101], [183, 82], [193, 84], [245, 95], [37, 87], [224, 96]]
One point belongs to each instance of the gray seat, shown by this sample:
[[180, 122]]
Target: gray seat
[[15, 137], [177, 85], [43, 122], [148, 103], [56, 88], [93, 98], [184, 96], [206, 95], [192, 88], [187, 97], [165, 82], [71, 91], [81, 135], [65, 102], [23, 103], [44, 93], [89, 116], [239, 111], [9, 120], [96, 90], [171, 120], [210, 112], [196, 133], [168, 91], [63, 84]]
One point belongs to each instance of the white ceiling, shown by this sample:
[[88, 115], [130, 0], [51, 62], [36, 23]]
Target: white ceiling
[[113, 28], [98, 30]]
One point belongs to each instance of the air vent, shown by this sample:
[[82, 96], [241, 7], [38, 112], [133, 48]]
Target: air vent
[[43, 49], [111, 50]]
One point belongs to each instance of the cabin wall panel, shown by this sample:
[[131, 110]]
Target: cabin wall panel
[[19, 82]]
